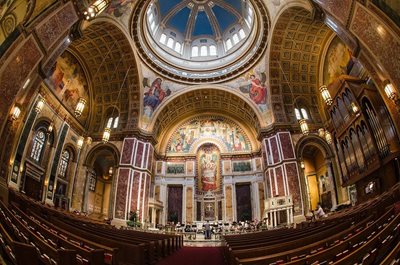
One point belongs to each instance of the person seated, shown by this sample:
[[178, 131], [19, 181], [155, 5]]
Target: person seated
[[319, 212], [188, 228]]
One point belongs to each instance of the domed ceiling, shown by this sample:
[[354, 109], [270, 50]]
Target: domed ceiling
[[200, 40]]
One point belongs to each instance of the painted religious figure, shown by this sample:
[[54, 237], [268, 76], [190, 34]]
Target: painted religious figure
[[222, 130], [338, 61], [254, 85], [208, 165], [68, 81], [153, 95]]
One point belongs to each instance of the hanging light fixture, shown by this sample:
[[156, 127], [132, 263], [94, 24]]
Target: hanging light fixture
[[39, 105], [96, 8], [304, 126], [50, 128], [80, 106], [326, 95], [354, 108], [15, 113], [106, 135], [79, 143], [390, 91], [328, 137]]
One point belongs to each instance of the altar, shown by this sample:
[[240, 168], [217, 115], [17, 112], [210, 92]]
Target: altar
[[278, 211]]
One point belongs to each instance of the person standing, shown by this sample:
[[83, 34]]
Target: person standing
[[208, 230]]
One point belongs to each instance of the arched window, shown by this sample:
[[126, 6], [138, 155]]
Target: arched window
[[235, 39], [195, 51], [301, 114], [64, 162], [112, 120], [203, 51], [178, 47], [228, 44], [39, 141], [213, 50], [163, 38], [242, 35], [170, 43]]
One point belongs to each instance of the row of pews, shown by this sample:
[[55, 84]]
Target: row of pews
[[368, 233], [32, 233]]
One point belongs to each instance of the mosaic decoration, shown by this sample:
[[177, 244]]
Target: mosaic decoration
[[176, 169], [214, 128], [208, 162], [338, 61], [69, 82], [241, 166]]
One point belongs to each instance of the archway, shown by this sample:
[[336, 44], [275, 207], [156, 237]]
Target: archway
[[102, 163], [318, 173]]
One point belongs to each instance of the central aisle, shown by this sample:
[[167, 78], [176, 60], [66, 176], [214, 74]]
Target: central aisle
[[195, 256]]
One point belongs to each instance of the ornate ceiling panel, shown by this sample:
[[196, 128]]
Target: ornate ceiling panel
[[204, 101], [108, 55], [297, 44]]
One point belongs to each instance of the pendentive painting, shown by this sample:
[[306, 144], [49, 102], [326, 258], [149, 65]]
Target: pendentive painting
[[121, 9], [208, 163], [338, 61], [69, 83], [216, 129]]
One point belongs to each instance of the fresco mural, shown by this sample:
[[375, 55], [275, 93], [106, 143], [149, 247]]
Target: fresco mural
[[338, 61], [221, 129], [208, 161], [121, 9], [69, 82], [12, 13], [154, 94]]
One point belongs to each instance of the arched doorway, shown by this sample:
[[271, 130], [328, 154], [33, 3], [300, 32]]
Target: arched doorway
[[318, 173], [102, 163]]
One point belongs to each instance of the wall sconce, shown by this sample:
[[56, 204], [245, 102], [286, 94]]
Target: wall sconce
[[39, 105], [302, 164], [80, 106], [354, 108], [326, 96], [50, 128], [106, 135], [79, 143], [96, 8], [328, 137], [15, 113], [304, 126], [391, 93], [110, 171]]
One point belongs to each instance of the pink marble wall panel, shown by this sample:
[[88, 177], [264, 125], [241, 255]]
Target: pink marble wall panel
[[139, 154], [273, 187], [135, 191], [294, 186], [267, 153], [274, 150], [127, 151], [56, 26], [339, 9], [146, 198], [378, 39], [142, 193], [15, 71], [286, 146], [279, 182], [151, 154], [121, 197], [145, 156]]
